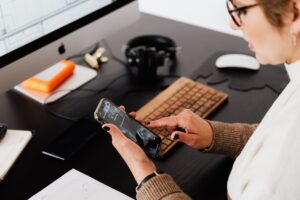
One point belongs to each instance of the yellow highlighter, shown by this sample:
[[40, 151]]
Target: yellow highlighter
[[50, 78]]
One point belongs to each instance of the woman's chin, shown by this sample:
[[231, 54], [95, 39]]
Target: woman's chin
[[265, 61], [261, 60]]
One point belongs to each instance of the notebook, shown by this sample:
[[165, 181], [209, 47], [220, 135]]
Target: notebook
[[78, 186], [80, 76], [11, 146]]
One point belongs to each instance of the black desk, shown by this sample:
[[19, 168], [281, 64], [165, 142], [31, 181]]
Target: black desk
[[200, 175]]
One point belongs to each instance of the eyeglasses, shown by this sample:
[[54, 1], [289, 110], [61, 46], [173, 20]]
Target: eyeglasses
[[236, 12]]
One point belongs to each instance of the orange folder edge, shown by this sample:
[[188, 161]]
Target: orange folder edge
[[54, 82]]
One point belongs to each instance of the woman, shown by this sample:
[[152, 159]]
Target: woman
[[267, 165]]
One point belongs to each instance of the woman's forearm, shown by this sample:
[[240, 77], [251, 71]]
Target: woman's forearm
[[230, 138], [161, 187]]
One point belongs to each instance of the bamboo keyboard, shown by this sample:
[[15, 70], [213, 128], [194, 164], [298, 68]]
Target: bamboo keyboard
[[182, 94]]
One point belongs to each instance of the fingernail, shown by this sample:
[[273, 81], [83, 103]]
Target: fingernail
[[106, 128], [175, 137], [180, 129], [147, 123]]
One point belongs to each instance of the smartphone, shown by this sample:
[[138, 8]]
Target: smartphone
[[108, 112]]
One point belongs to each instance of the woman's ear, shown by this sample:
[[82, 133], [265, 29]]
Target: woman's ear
[[295, 26]]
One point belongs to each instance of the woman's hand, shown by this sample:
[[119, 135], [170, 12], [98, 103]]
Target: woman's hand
[[195, 131], [136, 159]]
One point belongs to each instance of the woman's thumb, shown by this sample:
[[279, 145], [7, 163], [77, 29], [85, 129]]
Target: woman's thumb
[[113, 130], [183, 137]]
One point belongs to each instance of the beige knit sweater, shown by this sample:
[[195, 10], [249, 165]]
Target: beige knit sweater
[[229, 139]]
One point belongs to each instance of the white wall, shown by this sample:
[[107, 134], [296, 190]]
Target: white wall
[[210, 14]]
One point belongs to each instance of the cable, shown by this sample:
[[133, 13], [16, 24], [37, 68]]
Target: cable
[[170, 76], [149, 89], [62, 116], [111, 53], [81, 55], [94, 92]]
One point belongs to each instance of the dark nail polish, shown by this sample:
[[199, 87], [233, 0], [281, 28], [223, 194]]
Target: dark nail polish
[[176, 137], [180, 129], [106, 128]]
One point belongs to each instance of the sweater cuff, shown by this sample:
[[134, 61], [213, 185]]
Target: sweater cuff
[[220, 130], [230, 139], [158, 187]]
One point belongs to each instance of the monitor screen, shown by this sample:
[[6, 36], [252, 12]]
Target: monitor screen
[[25, 21], [31, 31]]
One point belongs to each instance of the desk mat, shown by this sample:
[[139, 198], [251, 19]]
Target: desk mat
[[274, 77]]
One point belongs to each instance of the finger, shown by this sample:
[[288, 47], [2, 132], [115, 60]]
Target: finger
[[175, 135], [171, 129], [184, 137], [163, 122], [119, 140], [122, 144], [114, 131], [133, 114], [121, 107]]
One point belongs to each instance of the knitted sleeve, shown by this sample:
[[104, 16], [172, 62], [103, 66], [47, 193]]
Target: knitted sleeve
[[161, 187], [230, 138]]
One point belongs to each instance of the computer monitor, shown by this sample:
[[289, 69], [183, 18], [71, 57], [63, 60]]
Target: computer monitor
[[35, 33]]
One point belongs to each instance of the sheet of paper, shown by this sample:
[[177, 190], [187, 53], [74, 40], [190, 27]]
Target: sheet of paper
[[78, 186], [11, 147]]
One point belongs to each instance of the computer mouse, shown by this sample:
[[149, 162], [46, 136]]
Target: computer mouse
[[237, 61], [3, 129]]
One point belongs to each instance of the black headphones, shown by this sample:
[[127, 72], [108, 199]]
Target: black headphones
[[148, 52]]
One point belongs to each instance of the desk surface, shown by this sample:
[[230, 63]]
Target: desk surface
[[200, 175]]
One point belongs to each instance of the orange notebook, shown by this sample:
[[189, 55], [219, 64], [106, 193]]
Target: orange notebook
[[51, 78]]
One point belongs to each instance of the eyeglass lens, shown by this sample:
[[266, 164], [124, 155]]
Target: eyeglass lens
[[234, 15]]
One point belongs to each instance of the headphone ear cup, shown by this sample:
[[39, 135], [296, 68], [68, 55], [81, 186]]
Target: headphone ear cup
[[141, 65], [160, 58], [132, 57], [146, 53], [152, 63], [148, 64]]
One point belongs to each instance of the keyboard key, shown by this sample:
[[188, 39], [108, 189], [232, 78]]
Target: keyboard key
[[163, 146], [182, 94]]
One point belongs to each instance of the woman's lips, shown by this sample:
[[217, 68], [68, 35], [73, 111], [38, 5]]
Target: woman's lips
[[250, 46]]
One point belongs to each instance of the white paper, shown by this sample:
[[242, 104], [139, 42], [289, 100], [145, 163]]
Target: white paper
[[11, 146], [78, 186]]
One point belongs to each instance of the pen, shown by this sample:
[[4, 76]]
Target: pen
[[3, 129]]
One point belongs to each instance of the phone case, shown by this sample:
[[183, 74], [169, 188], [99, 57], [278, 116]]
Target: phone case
[[149, 142]]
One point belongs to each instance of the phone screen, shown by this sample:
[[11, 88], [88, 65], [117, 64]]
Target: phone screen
[[108, 112]]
